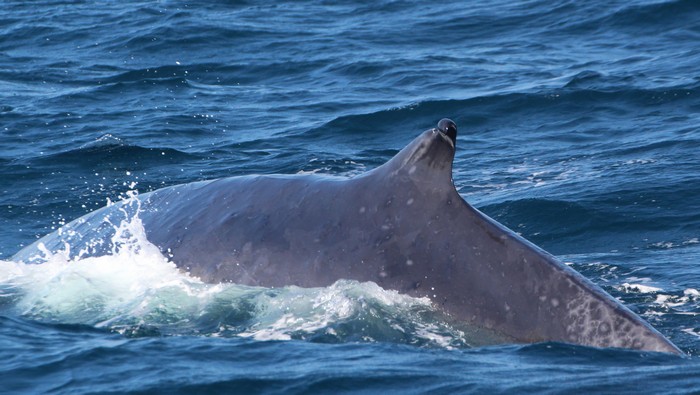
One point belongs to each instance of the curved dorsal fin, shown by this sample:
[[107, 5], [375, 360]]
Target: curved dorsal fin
[[428, 158]]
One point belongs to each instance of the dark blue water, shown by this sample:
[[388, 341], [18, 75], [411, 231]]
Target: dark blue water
[[579, 128]]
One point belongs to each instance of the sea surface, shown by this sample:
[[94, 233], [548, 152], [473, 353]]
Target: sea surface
[[579, 128]]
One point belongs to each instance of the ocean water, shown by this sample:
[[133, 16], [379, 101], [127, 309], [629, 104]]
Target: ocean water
[[579, 128]]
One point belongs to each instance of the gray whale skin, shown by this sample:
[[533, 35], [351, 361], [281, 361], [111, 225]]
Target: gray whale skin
[[402, 225]]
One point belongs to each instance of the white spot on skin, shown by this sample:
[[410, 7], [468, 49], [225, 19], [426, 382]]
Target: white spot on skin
[[362, 209], [555, 302], [409, 202], [412, 169], [409, 263]]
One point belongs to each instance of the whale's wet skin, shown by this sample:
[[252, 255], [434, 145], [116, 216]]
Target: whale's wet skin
[[402, 226]]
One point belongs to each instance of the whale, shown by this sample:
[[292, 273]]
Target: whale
[[402, 225]]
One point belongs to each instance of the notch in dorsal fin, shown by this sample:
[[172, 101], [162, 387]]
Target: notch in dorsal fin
[[428, 158]]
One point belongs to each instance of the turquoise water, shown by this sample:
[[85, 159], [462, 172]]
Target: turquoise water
[[578, 129]]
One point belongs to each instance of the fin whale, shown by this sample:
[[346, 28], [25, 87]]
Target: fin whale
[[402, 225]]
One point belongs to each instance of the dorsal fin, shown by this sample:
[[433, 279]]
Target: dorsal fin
[[428, 158]]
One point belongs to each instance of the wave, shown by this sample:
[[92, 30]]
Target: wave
[[597, 123], [596, 223], [109, 150], [655, 17], [569, 99], [136, 291]]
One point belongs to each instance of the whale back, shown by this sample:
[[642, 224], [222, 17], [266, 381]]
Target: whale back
[[402, 225]]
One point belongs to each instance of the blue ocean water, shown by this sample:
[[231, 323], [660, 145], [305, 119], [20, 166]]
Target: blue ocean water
[[578, 129]]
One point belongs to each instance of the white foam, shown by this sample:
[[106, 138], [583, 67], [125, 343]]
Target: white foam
[[638, 288], [691, 331], [94, 290], [136, 290], [689, 298], [664, 244], [435, 335], [294, 312]]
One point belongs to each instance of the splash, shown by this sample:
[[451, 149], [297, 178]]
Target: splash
[[136, 291]]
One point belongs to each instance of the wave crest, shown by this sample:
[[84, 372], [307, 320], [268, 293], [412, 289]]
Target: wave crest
[[137, 291]]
